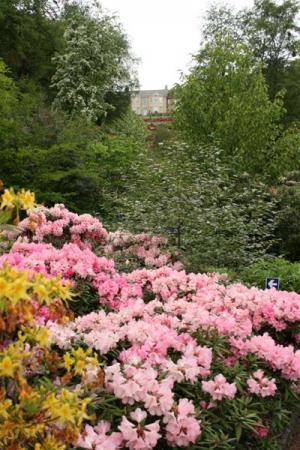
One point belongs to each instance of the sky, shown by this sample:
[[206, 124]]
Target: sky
[[163, 35]]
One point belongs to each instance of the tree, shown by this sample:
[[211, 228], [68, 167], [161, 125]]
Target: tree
[[289, 83], [29, 39], [94, 65], [221, 20], [224, 100], [71, 161], [273, 32], [213, 217]]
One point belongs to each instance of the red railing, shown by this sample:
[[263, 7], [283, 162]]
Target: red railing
[[158, 119]]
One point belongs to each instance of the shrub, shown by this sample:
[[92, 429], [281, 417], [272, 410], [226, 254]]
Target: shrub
[[155, 358], [213, 217], [287, 230], [289, 273]]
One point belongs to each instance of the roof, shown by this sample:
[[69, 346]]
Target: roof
[[152, 92]]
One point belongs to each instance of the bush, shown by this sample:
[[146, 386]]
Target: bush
[[213, 217], [289, 273], [155, 358], [288, 230]]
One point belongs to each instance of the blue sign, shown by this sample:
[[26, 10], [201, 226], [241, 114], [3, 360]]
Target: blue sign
[[272, 283]]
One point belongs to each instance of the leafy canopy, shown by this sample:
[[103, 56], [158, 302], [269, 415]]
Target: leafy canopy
[[225, 100]]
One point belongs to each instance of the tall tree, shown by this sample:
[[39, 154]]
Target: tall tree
[[272, 30], [95, 64], [225, 100], [290, 82], [29, 39]]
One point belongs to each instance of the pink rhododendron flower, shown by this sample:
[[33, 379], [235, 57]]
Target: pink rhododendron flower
[[182, 428], [148, 342], [218, 388], [260, 385], [261, 431], [139, 436], [97, 438]]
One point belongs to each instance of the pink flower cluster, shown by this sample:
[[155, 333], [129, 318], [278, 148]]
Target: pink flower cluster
[[181, 426], [97, 438], [138, 436], [153, 328], [149, 249], [219, 388], [260, 385], [42, 223], [279, 357]]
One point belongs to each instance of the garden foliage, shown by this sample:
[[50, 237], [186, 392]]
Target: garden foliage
[[236, 112], [287, 272], [210, 214], [96, 358]]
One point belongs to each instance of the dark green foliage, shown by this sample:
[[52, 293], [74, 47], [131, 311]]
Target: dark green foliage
[[288, 229], [289, 82], [71, 161], [61, 174], [29, 39], [162, 134], [86, 299], [272, 30]]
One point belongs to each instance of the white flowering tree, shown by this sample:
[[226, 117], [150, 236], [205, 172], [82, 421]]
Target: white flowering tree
[[94, 63]]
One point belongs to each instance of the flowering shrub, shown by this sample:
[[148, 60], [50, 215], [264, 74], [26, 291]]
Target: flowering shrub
[[12, 203], [151, 358], [140, 250], [38, 409], [58, 225]]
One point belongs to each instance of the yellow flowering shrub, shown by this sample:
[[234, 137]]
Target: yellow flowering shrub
[[21, 199], [76, 360], [21, 292], [11, 204], [39, 408]]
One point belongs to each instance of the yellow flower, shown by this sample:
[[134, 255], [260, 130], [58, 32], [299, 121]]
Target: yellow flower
[[17, 290], [3, 287], [8, 198], [64, 291], [65, 413], [68, 361], [50, 443], [41, 291], [80, 365], [79, 353], [43, 337], [4, 406], [26, 198], [6, 367]]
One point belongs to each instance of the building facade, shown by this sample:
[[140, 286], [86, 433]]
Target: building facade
[[150, 102]]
